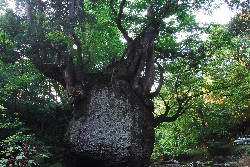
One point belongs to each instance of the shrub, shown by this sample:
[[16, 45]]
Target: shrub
[[17, 148]]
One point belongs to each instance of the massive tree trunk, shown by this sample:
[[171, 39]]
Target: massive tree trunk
[[113, 123], [111, 127]]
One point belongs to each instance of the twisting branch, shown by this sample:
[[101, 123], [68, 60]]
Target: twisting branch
[[167, 107], [165, 118], [182, 105], [161, 118], [138, 58], [119, 22]]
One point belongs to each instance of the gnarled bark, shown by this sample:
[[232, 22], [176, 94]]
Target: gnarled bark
[[111, 127]]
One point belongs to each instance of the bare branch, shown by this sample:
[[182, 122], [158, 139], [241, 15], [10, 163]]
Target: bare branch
[[49, 70], [165, 118], [138, 53]]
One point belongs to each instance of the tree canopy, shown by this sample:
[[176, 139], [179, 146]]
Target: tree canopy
[[70, 40]]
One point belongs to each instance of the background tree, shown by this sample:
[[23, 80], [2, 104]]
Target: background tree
[[32, 113], [222, 112]]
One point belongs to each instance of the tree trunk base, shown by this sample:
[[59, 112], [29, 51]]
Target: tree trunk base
[[114, 129]]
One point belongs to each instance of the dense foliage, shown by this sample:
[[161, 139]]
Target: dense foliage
[[18, 146], [31, 114], [222, 113]]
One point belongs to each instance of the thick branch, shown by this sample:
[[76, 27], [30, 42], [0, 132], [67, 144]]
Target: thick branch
[[39, 48], [182, 106], [49, 70], [138, 59], [133, 62], [165, 118]]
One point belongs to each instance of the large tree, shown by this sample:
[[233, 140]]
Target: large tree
[[109, 82]]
